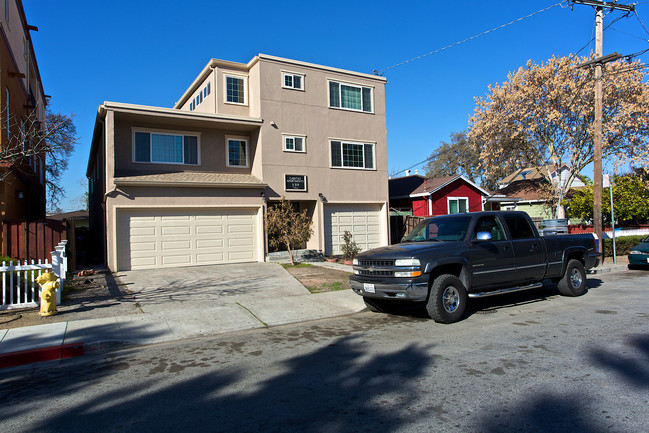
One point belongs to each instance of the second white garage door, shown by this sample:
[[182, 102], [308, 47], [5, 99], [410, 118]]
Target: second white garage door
[[363, 221], [149, 239]]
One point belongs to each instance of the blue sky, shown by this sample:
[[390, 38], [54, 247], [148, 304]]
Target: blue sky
[[148, 52]]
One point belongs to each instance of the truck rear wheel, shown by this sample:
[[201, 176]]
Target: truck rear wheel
[[573, 282], [447, 299]]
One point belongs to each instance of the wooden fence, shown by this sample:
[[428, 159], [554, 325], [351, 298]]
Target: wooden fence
[[32, 240], [401, 225]]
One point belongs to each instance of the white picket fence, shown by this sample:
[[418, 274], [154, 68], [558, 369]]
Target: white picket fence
[[19, 287]]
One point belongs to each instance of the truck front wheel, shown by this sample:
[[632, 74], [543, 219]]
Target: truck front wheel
[[447, 299], [573, 282]]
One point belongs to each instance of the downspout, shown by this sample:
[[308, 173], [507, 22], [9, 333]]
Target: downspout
[[216, 99]]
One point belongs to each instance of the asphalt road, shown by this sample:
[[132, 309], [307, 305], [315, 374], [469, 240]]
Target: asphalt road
[[528, 362]]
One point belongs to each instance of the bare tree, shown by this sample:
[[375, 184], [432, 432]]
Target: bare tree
[[287, 227], [50, 142]]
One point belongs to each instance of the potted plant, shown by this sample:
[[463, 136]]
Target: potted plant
[[350, 249]]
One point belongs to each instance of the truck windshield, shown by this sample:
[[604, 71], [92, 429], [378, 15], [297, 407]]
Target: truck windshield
[[440, 229]]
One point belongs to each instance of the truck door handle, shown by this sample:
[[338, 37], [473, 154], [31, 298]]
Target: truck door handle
[[506, 248]]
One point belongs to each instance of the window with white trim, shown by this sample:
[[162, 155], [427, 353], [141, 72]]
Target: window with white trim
[[458, 205], [235, 89], [352, 155], [162, 148], [293, 143], [292, 81], [236, 152], [351, 97]]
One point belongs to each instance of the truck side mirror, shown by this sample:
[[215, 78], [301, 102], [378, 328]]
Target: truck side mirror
[[483, 236]]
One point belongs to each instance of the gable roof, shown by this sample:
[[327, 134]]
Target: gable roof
[[527, 190], [528, 173], [417, 185]]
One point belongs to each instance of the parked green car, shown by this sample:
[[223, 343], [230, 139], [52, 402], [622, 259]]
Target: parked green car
[[639, 255]]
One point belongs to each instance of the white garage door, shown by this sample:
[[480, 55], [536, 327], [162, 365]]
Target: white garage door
[[150, 239], [363, 221]]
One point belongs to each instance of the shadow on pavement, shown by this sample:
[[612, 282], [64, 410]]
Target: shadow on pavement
[[335, 388]]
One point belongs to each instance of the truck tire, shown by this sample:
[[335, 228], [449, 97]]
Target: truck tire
[[573, 282], [447, 299], [372, 305]]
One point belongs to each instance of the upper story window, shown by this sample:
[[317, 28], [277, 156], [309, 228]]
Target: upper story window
[[235, 89], [352, 155], [292, 81], [294, 143], [164, 148], [237, 152], [350, 97]]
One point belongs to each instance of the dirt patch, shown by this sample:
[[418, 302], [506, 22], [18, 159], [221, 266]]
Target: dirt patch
[[318, 279], [87, 297]]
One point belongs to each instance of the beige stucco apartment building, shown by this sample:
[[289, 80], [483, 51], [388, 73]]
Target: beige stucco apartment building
[[189, 185]]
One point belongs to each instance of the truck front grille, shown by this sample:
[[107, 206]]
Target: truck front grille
[[375, 273], [376, 263]]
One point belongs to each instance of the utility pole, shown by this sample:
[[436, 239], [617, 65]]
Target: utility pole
[[597, 144]]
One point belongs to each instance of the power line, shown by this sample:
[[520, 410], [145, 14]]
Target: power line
[[380, 71], [640, 21]]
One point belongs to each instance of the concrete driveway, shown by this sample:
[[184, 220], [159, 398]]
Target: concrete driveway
[[198, 287]]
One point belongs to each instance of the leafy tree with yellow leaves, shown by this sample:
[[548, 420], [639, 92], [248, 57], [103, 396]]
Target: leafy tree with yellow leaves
[[543, 116]]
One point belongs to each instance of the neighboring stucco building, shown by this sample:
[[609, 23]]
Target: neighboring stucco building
[[189, 185], [22, 105]]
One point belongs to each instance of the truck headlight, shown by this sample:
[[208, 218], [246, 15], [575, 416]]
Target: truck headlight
[[407, 274], [635, 252], [355, 262], [407, 262]]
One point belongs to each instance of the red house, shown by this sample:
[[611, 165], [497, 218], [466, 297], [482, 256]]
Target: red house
[[437, 196]]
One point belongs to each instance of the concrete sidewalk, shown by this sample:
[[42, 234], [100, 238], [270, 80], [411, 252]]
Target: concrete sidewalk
[[179, 304]]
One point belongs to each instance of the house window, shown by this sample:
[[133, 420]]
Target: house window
[[293, 143], [458, 205], [166, 148], [207, 90], [237, 150], [292, 81], [352, 155], [235, 92], [350, 97]]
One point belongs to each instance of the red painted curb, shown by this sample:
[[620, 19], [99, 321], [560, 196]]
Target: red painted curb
[[64, 351]]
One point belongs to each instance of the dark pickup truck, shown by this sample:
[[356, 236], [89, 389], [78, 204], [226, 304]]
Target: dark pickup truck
[[447, 259]]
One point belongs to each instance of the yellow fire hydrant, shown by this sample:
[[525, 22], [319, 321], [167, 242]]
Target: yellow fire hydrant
[[48, 285]]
